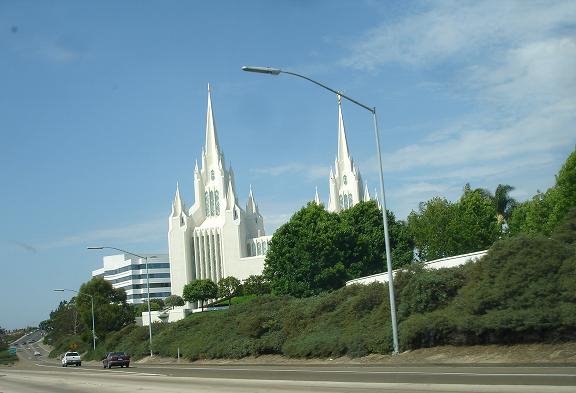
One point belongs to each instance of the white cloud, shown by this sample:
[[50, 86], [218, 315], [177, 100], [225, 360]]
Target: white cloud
[[134, 233], [539, 132], [448, 29], [537, 73]]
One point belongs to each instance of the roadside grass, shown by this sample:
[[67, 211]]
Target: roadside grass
[[6, 358]]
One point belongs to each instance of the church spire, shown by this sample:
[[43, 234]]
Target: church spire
[[342, 142], [177, 205], [366, 192], [212, 148], [316, 197], [251, 204]]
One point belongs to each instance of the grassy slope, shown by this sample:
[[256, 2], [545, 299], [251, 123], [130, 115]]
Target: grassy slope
[[523, 291]]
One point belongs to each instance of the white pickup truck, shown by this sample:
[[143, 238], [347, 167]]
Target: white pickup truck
[[71, 358]]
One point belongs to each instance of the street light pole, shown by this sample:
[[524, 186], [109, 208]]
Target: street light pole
[[277, 71], [147, 286], [92, 304]]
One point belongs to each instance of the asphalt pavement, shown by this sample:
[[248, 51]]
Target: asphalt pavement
[[40, 374]]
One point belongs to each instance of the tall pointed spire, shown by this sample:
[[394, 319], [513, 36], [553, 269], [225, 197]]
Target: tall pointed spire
[[230, 196], [342, 142], [212, 148], [366, 193], [251, 204], [316, 197], [177, 205]]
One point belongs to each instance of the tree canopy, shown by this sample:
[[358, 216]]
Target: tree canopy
[[318, 250], [228, 287], [441, 228], [255, 285], [173, 301], [111, 312], [200, 290], [546, 210]]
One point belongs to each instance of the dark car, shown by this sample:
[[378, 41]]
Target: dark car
[[116, 359]]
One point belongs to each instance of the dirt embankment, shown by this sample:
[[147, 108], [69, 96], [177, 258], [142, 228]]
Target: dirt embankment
[[542, 354]]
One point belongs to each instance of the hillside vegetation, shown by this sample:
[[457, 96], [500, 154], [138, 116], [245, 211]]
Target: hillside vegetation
[[523, 290]]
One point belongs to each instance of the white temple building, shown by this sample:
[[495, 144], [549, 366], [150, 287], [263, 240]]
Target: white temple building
[[215, 238], [345, 183]]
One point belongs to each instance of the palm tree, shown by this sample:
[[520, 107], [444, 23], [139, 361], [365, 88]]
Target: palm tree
[[504, 202]]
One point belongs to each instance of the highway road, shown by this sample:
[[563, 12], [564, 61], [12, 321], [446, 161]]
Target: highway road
[[38, 374]]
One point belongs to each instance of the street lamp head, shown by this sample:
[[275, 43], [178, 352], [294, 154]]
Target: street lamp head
[[58, 290], [94, 248], [262, 70]]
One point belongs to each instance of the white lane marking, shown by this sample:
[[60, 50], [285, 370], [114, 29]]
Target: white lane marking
[[367, 372], [102, 371]]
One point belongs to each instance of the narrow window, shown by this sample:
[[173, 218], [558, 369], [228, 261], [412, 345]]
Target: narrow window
[[217, 201], [211, 202]]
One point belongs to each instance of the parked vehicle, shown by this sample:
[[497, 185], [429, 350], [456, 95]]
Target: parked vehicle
[[71, 358], [36, 353], [116, 359]]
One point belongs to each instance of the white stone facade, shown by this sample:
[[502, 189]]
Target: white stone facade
[[214, 238], [129, 273]]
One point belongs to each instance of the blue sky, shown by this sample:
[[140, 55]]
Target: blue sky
[[102, 111]]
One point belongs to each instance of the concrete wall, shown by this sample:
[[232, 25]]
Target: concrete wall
[[435, 264]]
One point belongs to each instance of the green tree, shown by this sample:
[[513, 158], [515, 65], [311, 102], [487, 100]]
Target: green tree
[[255, 285], [433, 229], [155, 305], [545, 211], [504, 203], [173, 301], [200, 290], [476, 222], [3, 341], [110, 308], [64, 320], [304, 256], [318, 250], [441, 228], [228, 287], [362, 228]]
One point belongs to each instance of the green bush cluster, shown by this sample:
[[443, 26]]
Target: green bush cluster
[[523, 290]]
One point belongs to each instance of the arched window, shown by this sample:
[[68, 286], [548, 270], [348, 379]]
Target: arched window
[[349, 200], [217, 200], [252, 249], [341, 201], [264, 247], [345, 180], [259, 248], [212, 174], [211, 202], [206, 203]]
